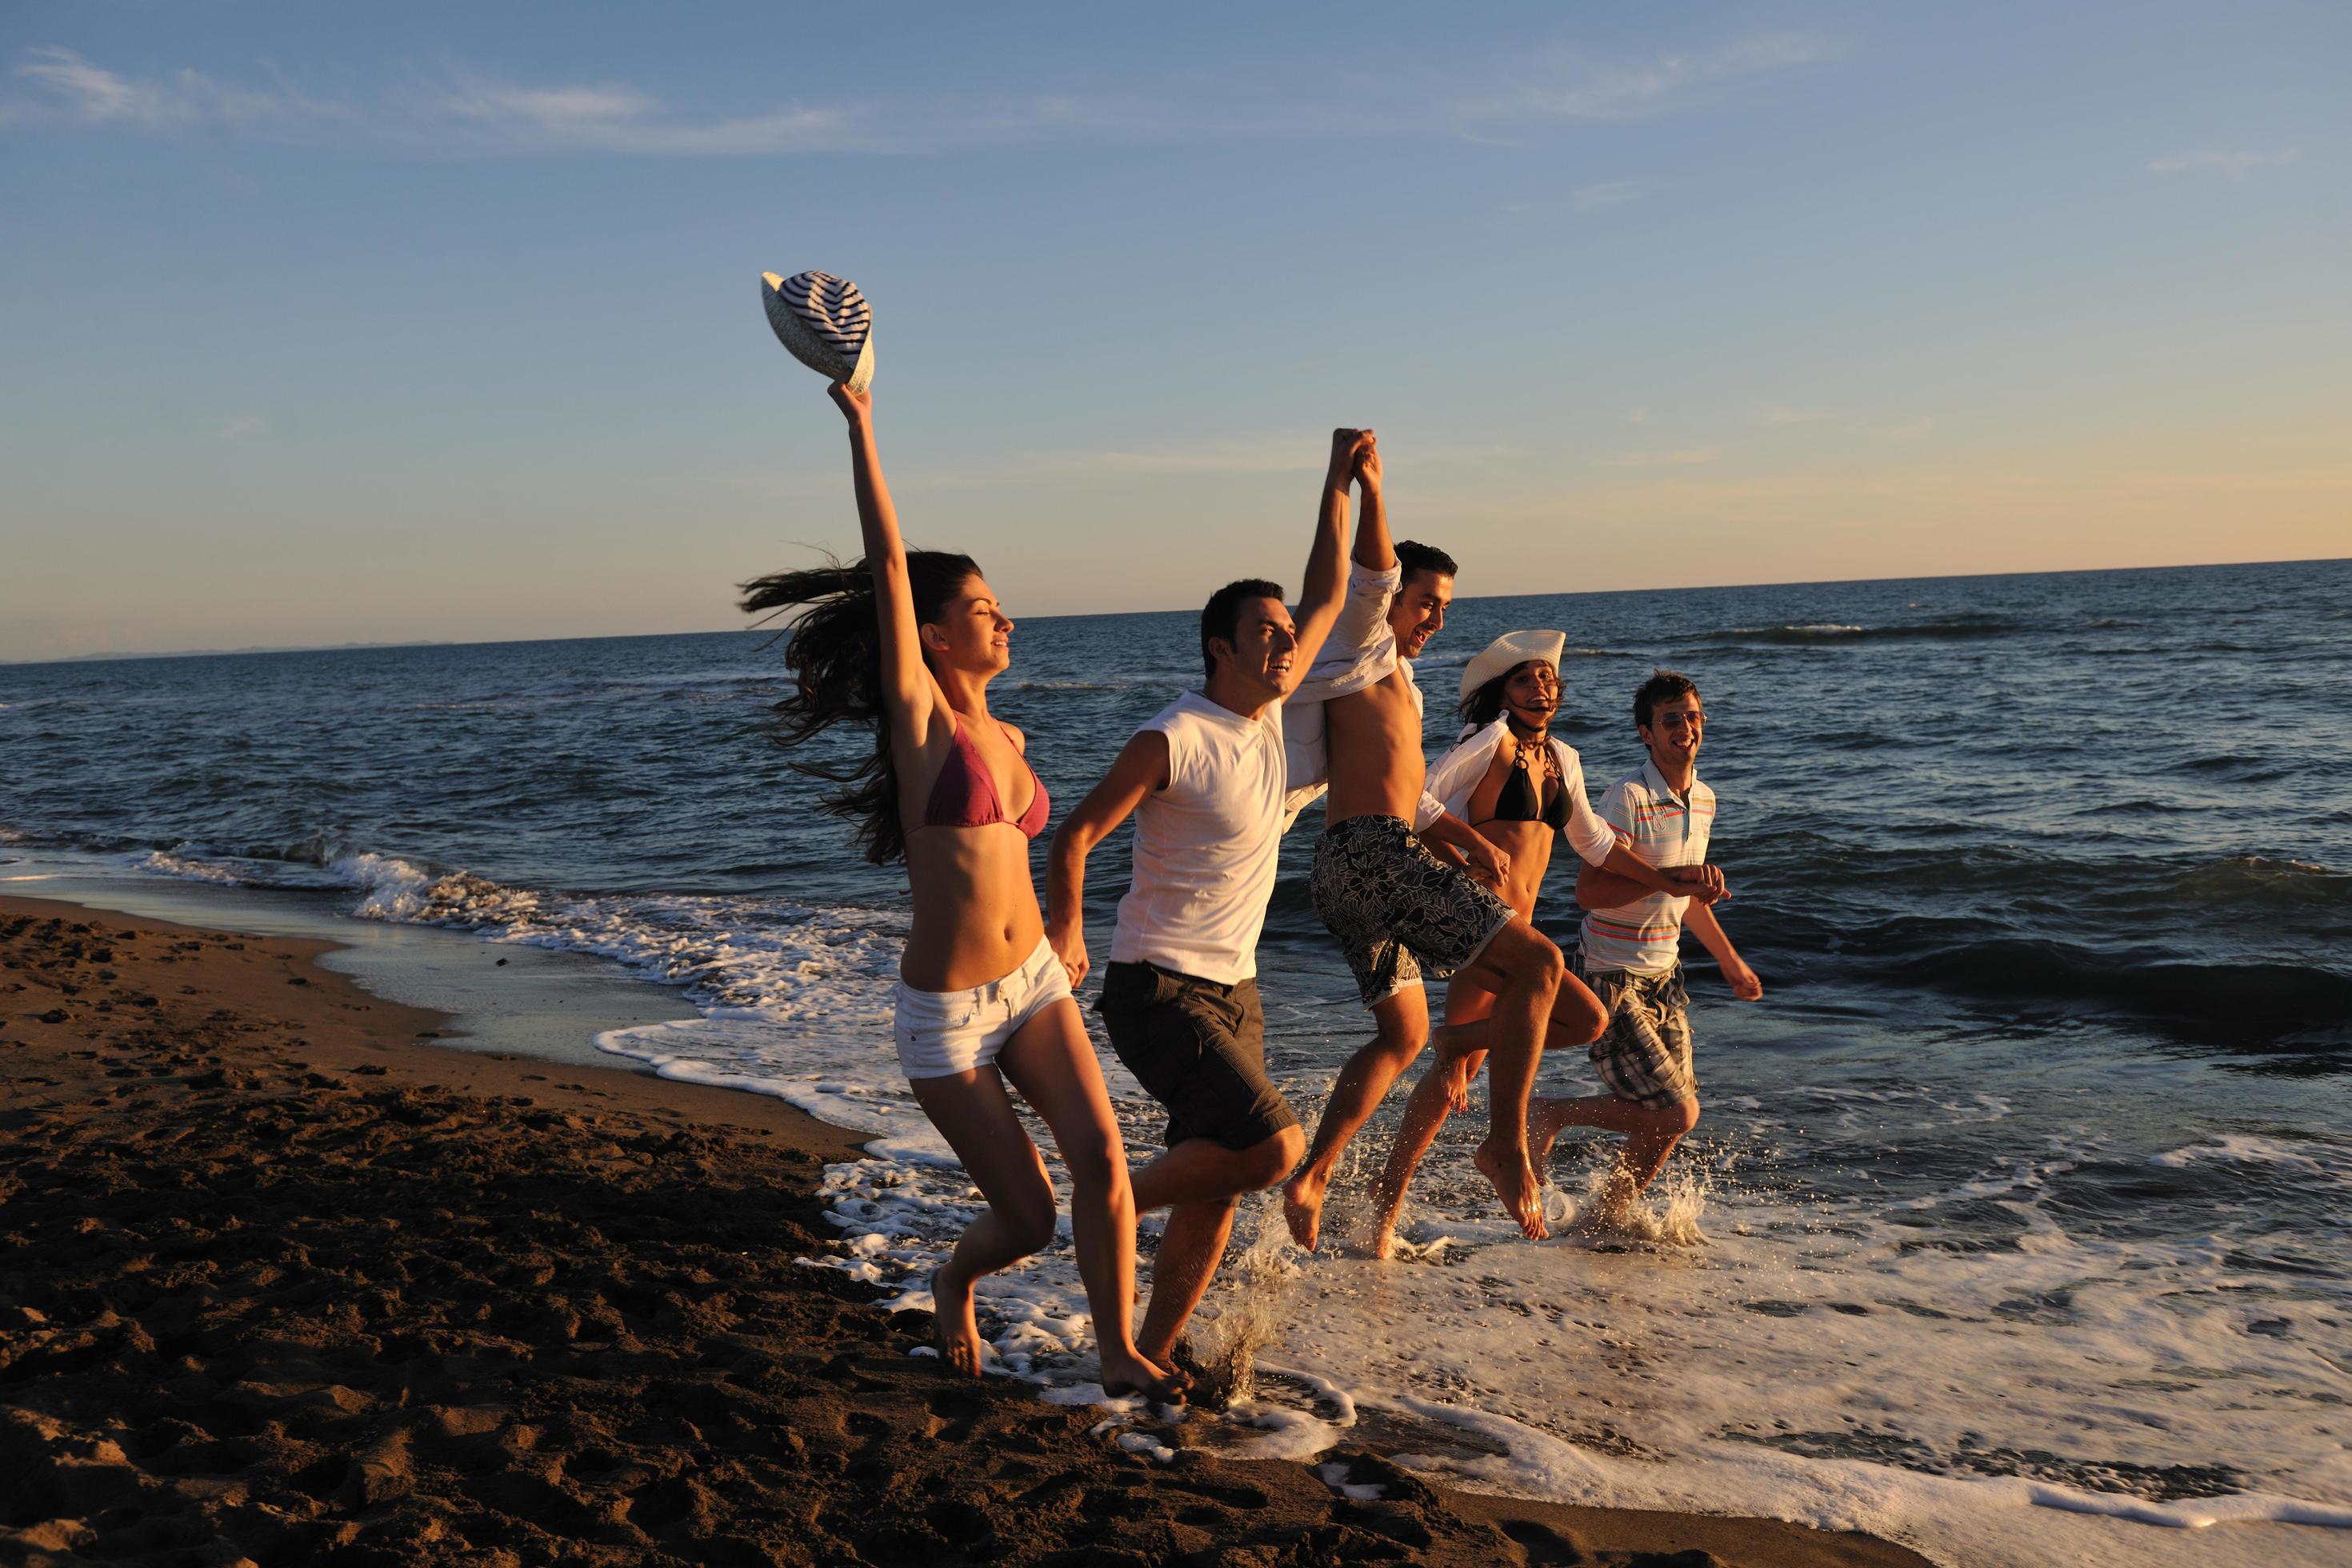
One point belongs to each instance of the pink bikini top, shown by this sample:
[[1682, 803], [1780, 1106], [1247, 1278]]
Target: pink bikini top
[[965, 796]]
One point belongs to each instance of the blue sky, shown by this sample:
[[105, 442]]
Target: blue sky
[[331, 324]]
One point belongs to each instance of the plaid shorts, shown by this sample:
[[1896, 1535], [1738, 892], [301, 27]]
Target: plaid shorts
[[1644, 1054]]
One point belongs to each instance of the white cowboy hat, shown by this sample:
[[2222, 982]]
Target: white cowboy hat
[[825, 322], [1509, 651]]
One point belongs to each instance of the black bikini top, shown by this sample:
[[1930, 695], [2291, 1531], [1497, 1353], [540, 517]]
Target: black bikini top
[[1517, 801]]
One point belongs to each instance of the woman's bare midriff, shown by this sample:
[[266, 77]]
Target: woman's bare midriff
[[1529, 844], [976, 917]]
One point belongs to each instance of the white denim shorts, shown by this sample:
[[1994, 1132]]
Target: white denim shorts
[[941, 1032]]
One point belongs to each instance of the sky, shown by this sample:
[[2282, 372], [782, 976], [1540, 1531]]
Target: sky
[[329, 324]]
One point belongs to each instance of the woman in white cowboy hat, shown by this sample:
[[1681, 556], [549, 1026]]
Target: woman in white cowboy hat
[[1520, 786]]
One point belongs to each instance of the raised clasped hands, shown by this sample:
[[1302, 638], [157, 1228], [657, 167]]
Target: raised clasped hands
[[1351, 452]]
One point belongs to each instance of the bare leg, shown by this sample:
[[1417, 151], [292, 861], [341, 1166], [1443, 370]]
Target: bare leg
[[1189, 1250], [1364, 1082], [1576, 1019], [1442, 1090], [1434, 1099], [1199, 1170], [1052, 1063], [1650, 1135], [1522, 969], [976, 1117]]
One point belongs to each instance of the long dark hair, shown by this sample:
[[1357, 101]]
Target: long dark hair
[[834, 652], [1484, 704]]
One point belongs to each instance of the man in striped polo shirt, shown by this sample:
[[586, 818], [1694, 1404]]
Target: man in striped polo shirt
[[1630, 950]]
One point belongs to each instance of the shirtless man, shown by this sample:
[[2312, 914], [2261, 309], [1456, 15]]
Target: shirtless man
[[1395, 905], [1207, 781]]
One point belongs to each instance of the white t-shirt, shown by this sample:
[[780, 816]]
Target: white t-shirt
[[1670, 830], [1205, 846]]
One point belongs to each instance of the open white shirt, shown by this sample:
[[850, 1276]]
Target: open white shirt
[[1458, 772]]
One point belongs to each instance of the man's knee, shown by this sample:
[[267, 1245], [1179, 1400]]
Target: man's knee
[[1524, 954], [1401, 1024], [1269, 1161], [1678, 1119], [1578, 1017]]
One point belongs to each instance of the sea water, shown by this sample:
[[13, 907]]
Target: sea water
[[2015, 1224]]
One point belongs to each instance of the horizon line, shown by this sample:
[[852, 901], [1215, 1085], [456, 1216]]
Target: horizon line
[[264, 651]]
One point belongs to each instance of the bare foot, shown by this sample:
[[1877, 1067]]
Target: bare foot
[[1457, 1081], [1383, 1242], [952, 1324], [1302, 1206], [1515, 1185], [1543, 1130], [1126, 1373]]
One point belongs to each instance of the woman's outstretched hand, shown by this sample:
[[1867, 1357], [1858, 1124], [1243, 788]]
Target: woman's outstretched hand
[[858, 407]]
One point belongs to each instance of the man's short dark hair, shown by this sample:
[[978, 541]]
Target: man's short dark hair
[[1221, 616], [1414, 556], [1663, 686]]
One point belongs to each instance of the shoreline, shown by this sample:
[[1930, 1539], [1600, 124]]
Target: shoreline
[[506, 1309]]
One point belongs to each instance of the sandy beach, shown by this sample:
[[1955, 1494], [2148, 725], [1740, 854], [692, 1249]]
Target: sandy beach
[[282, 1281]]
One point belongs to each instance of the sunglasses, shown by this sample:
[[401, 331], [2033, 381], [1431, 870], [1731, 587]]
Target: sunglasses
[[1680, 720]]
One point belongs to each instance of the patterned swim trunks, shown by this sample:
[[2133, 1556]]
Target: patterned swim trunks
[[1397, 909], [1644, 1054]]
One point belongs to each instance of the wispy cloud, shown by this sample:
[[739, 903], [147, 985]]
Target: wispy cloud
[[1910, 430], [460, 112], [2236, 166], [1679, 458], [237, 429], [1577, 87], [1781, 414]]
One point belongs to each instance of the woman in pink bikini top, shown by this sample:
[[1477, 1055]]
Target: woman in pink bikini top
[[905, 643]]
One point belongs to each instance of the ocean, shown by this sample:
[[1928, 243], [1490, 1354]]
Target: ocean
[[2015, 1225]]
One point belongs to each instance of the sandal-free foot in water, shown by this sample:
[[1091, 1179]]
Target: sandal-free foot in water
[[954, 1329], [1140, 1376], [1514, 1183], [1302, 1206]]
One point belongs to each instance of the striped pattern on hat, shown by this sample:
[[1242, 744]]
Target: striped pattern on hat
[[825, 322]]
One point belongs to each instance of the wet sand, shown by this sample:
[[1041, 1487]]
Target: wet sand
[[283, 1282]]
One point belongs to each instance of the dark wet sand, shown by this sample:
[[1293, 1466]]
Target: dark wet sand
[[282, 1283]]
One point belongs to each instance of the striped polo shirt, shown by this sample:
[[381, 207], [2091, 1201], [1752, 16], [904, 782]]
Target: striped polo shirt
[[1668, 830]]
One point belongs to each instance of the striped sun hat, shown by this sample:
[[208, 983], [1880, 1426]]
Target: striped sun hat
[[825, 322]]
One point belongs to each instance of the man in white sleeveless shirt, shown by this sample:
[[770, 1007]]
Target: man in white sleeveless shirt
[[1207, 783]]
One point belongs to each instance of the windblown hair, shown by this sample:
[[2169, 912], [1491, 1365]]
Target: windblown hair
[[1221, 616], [1415, 556], [1663, 686], [1484, 704], [834, 652]]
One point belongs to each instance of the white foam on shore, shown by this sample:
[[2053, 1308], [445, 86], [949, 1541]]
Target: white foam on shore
[[1736, 1352]]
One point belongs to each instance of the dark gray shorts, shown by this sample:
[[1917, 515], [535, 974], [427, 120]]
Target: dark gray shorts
[[1198, 1048], [1644, 1054], [1397, 909]]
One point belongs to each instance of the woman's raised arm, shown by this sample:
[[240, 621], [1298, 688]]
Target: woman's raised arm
[[905, 679]]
